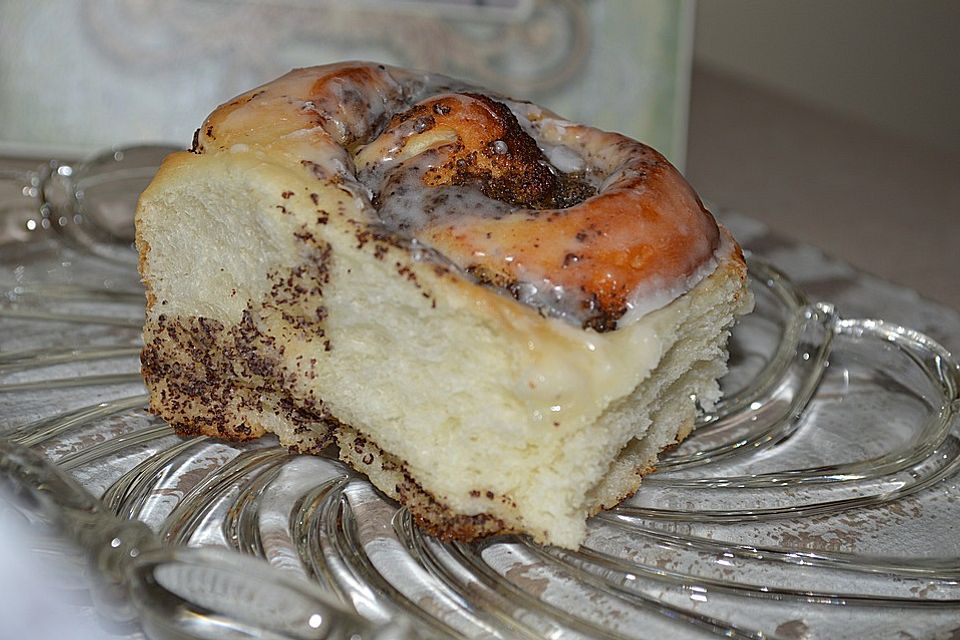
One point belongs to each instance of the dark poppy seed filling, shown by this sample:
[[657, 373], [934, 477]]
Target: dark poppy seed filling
[[467, 154]]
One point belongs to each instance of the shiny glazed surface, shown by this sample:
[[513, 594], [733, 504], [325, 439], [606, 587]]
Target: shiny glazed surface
[[579, 223]]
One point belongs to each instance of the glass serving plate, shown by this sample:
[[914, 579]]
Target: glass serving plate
[[819, 499]]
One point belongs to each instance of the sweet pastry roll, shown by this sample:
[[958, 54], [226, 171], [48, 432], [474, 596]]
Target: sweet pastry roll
[[499, 316]]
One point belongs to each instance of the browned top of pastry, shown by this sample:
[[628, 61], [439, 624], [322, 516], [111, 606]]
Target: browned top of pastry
[[579, 223]]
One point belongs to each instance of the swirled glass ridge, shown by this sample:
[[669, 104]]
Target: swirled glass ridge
[[818, 499]]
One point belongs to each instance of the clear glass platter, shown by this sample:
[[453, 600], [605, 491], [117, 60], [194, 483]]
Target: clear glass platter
[[820, 499]]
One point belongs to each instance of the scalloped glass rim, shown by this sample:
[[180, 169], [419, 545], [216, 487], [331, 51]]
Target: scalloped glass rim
[[699, 550]]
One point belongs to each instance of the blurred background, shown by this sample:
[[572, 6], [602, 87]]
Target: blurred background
[[835, 123], [832, 123], [78, 75]]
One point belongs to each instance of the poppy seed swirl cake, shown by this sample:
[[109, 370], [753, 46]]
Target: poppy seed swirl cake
[[499, 316]]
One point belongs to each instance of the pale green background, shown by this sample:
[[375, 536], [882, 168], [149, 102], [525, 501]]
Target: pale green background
[[76, 76]]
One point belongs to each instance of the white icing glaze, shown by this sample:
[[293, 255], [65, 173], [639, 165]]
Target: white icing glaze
[[404, 204], [336, 121]]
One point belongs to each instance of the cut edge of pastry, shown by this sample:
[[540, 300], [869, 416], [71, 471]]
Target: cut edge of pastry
[[203, 383]]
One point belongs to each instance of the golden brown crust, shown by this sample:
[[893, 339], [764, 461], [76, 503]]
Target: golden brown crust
[[644, 226], [607, 246]]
